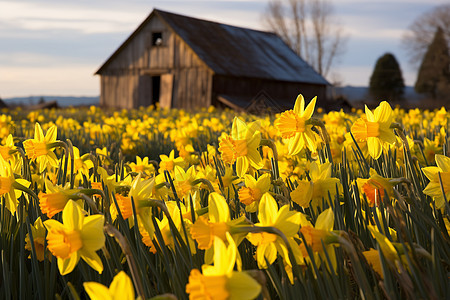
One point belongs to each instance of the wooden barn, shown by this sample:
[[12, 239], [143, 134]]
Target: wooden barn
[[184, 62]]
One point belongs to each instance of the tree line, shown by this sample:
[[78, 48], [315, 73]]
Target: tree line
[[310, 29]]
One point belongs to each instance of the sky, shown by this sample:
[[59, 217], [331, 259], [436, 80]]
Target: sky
[[53, 47]]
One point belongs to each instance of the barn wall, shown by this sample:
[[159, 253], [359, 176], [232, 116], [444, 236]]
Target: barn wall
[[126, 80], [283, 92]]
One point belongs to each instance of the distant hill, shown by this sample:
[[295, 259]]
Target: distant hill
[[63, 101], [356, 94]]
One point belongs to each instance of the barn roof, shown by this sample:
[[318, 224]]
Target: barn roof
[[237, 51]]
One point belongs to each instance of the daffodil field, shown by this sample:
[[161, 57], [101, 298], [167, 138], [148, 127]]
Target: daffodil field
[[167, 204]]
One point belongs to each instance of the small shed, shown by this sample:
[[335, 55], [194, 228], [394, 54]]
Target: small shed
[[183, 62]]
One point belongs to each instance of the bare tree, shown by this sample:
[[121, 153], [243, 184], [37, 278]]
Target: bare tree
[[307, 26], [421, 32]]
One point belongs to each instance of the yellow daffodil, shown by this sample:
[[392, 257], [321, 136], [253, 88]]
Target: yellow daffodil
[[184, 181], [8, 192], [40, 150], [311, 193], [82, 164], [140, 190], [38, 232], [121, 288], [375, 129], [374, 187], [442, 171], [78, 237], [220, 281], [168, 163], [54, 199], [269, 244], [218, 222], [142, 165], [253, 190], [7, 149], [315, 235], [242, 146], [393, 255], [292, 125]]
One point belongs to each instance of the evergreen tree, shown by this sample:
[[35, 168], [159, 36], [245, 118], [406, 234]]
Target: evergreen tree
[[433, 78], [386, 82]]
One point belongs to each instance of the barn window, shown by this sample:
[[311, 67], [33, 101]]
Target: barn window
[[157, 39]]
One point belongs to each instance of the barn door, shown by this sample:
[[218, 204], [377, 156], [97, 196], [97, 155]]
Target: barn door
[[165, 96]]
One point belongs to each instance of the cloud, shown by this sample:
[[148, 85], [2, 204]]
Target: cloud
[[63, 80]]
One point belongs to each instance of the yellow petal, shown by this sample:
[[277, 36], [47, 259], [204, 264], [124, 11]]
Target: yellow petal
[[443, 162], [51, 134], [242, 286], [218, 208], [268, 210], [53, 224], [67, 265], [97, 291], [383, 113], [369, 114], [73, 216], [242, 165], [374, 146], [325, 220], [266, 252], [287, 221], [92, 232], [307, 114], [299, 105], [38, 133], [296, 144], [122, 287], [92, 259]]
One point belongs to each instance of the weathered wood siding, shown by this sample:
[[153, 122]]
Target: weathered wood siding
[[126, 80], [283, 92]]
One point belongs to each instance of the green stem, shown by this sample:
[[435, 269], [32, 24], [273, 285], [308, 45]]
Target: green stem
[[124, 245]]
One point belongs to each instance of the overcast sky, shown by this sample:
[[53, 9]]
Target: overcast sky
[[53, 47]]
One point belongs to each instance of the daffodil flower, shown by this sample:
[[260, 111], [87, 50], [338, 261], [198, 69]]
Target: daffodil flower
[[253, 190], [38, 232], [375, 129], [269, 244], [318, 235], [442, 172], [141, 190], [8, 187], [40, 148], [292, 125], [374, 187], [121, 288], [242, 146], [77, 237], [216, 224], [142, 165], [393, 252], [321, 185], [220, 281], [168, 163], [9, 147]]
